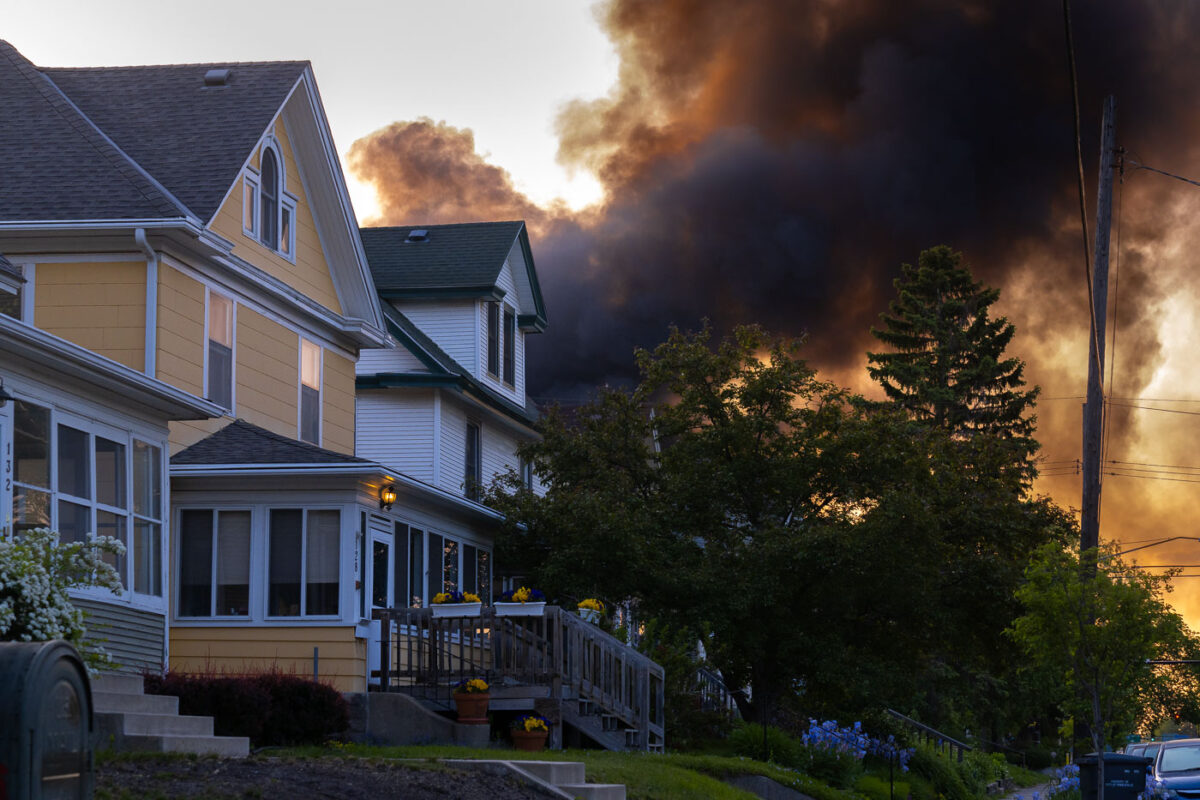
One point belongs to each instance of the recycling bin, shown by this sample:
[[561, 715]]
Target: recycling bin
[[1124, 776]]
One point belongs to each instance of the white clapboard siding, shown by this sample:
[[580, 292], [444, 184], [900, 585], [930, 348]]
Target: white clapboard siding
[[134, 638], [381, 359], [395, 427], [452, 325], [499, 452], [516, 392], [454, 447]]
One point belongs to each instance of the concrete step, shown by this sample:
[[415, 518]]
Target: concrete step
[[556, 772], [134, 703], [165, 724], [227, 746], [594, 791], [118, 683]]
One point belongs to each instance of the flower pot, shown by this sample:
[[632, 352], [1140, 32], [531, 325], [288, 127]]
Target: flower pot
[[456, 609], [531, 741], [530, 609], [590, 615], [472, 707]]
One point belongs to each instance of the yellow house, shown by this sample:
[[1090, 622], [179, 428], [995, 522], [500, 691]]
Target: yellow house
[[189, 226]]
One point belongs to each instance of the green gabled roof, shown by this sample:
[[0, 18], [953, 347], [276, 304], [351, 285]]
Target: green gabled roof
[[452, 261], [444, 371]]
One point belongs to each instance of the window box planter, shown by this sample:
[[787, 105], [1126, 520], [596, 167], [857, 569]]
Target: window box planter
[[532, 608], [456, 609], [590, 615]]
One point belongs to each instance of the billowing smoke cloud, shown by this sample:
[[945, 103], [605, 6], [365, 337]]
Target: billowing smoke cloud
[[776, 161]]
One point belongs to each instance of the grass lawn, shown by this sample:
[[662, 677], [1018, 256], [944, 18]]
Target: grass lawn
[[674, 776]]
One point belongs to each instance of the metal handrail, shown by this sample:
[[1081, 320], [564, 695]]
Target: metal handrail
[[932, 733]]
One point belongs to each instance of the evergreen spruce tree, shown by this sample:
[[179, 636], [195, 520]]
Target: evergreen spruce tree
[[946, 366]]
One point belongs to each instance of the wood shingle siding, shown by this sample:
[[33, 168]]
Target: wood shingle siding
[[98, 305], [134, 638]]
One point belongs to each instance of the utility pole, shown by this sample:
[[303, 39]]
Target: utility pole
[[1093, 409]]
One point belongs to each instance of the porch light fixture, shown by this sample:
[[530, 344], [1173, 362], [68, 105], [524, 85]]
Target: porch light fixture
[[4, 396], [387, 496]]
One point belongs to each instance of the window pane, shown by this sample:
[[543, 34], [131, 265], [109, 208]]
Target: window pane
[[74, 522], [435, 565], [310, 415], [147, 480], [73, 462], [114, 525], [270, 200], [285, 231], [380, 553], [493, 338], [249, 206], [450, 565], [147, 555], [31, 444], [468, 569], [195, 563], [220, 320], [485, 575], [471, 482], [10, 303], [233, 563], [310, 364], [510, 346], [283, 594], [31, 508], [110, 473], [401, 595], [220, 374], [321, 569], [416, 562]]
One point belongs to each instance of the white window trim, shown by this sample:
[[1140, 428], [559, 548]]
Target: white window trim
[[233, 357], [250, 183], [177, 571], [266, 593], [320, 392], [285, 200]]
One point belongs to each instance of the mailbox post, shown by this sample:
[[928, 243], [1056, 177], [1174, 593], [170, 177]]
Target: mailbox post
[[46, 728]]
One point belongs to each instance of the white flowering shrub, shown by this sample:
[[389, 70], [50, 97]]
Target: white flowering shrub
[[36, 570]]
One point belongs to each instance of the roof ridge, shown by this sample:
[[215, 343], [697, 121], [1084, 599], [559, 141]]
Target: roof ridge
[[441, 225], [280, 63], [153, 191]]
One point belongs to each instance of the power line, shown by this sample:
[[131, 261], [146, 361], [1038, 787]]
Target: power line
[[1152, 408], [1164, 172], [1152, 477], [1132, 399], [1144, 464]]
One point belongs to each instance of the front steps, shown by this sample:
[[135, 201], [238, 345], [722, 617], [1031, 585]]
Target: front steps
[[606, 730], [128, 719], [562, 778]]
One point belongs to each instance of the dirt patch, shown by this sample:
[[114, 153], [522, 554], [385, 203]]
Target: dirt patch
[[293, 779]]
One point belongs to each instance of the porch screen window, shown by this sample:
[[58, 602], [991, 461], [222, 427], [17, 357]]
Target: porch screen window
[[303, 562], [400, 570], [474, 467], [310, 392], [510, 347], [31, 467], [219, 385], [484, 574], [147, 519], [436, 564], [449, 565], [493, 339], [112, 518], [469, 584], [416, 568], [214, 563]]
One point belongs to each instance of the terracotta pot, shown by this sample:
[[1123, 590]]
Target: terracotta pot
[[472, 707], [531, 741]]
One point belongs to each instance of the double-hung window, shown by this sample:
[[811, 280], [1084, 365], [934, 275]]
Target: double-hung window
[[219, 377], [214, 563], [304, 549], [85, 480], [310, 392], [473, 459], [510, 346], [493, 339]]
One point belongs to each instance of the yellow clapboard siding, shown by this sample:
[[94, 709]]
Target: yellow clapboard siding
[[310, 274], [342, 658], [338, 401], [77, 300], [267, 373], [180, 336]]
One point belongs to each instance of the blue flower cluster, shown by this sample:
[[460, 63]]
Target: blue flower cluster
[[852, 741], [1066, 779]]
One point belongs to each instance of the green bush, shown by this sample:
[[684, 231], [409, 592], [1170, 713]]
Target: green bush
[[834, 768], [940, 771], [746, 739], [876, 788]]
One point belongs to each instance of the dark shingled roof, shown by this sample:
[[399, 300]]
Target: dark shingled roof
[[463, 256], [192, 138], [239, 442], [9, 269], [56, 165]]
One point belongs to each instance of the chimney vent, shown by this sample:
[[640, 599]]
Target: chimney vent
[[217, 77], [418, 235]]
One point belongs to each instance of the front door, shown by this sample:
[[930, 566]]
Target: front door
[[381, 581]]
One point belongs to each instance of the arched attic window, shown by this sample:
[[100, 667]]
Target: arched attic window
[[269, 205], [268, 208]]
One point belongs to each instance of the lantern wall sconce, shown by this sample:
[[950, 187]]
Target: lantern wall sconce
[[387, 496]]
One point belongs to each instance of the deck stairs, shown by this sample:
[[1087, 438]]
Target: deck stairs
[[128, 719]]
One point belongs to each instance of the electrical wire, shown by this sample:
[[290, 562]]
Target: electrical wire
[[1164, 172], [1152, 408]]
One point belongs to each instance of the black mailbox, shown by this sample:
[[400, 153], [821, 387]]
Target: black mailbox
[[45, 722], [1124, 776]]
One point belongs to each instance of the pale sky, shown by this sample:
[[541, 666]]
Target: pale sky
[[501, 69]]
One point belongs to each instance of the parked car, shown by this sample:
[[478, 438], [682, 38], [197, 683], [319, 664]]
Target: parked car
[[1138, 749], [1177, 769]]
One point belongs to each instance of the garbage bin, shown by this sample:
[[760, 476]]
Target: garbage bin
[[1124, 776], [45, 722]]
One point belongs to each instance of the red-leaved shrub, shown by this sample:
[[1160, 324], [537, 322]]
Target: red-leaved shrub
[[272, 708]]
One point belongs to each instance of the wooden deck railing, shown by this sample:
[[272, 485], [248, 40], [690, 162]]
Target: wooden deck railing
[[574, 659]]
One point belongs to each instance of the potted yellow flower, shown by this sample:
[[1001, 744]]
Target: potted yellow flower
[[471, 699], [529, 732], [523, 602], [456, 604], [591, 609]]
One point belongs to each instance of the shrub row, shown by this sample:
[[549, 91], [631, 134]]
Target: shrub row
[[272, 708]]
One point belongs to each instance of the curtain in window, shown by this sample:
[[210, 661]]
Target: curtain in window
[[233, 563], [321, 569]]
